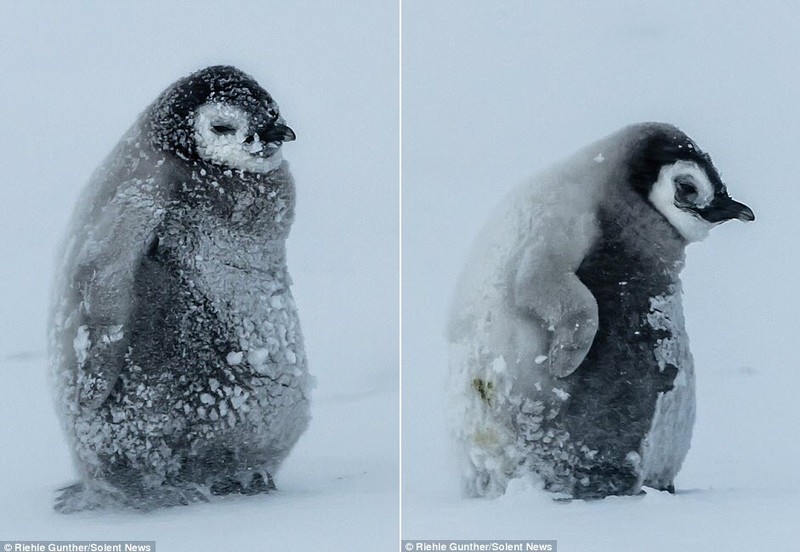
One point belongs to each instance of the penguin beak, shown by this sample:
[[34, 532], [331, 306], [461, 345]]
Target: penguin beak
[[276, 133], [725, 208]]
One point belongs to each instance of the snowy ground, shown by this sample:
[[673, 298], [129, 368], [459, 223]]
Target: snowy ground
[[494, 92], [75, 76]]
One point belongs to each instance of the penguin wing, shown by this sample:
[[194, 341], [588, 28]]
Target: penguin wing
[[547, 292], [118, 235]]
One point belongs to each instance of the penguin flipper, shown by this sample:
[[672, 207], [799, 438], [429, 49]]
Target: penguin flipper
[[571, 339], [549, 293], [103, 287]]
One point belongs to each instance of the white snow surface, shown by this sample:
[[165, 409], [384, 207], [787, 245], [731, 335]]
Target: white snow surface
[[504, 90], [77, 77]]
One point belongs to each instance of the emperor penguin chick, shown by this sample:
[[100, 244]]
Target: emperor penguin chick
[[569, 358], [175, 343]]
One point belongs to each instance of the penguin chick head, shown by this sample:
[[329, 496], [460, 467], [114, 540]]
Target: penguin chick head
[[682, 184], [220, 116]]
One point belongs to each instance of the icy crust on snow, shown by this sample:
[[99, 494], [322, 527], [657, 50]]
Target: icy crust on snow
[[176, 346]]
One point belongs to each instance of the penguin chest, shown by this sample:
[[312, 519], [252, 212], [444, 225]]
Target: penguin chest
[[633, 397], [216, 312], [248, 286], [667, 442]]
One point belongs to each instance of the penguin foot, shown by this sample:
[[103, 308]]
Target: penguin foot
[[606, 479], [74, 499], [262, 482], [99, 495], [483, 483], [661, 485], [168, 496], [594, 497], [259, 483], [82, 497]]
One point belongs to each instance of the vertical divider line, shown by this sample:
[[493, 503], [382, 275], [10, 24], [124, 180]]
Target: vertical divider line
[[400, 271]]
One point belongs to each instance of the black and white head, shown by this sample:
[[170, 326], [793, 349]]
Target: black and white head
[[682, 184], [220, 116]]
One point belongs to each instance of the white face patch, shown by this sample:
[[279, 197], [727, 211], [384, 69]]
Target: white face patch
[[220, 131], [691, 183]]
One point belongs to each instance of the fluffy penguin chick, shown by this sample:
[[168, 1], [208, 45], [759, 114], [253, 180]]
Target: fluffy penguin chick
[[175, 343], [569, 358]]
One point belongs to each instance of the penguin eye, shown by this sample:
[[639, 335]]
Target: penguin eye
[[686, 188], [223, 129]]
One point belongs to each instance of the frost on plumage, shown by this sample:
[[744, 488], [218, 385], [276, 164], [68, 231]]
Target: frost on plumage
[[237, 145], [234, 357], [81, 343], [560, 393], [175, 343]]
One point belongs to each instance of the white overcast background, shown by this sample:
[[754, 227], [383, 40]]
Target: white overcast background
[[495, 91], [73, 78]]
